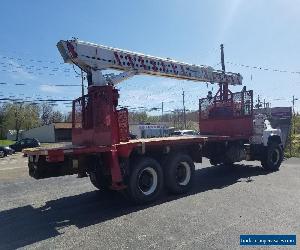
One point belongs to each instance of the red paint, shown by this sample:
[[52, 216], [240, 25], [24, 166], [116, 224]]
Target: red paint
[[111, 160], [55, 155], [182, 69], [100, 124], [225, 116], [123, 125], [117, 58], [163, 66], [99, 128], [154, 68], [142, 62], [240, 126], [71, 49], [130, 60], [174, 68]]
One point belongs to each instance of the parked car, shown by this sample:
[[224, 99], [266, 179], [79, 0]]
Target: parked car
[[132, 136], [7, 150], [25, 143], [2, 153], [184, 132]]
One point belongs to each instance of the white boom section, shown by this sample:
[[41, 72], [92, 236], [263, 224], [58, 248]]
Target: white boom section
[[93, 58]]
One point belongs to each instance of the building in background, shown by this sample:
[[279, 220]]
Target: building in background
[[149, 130], [55, 132]]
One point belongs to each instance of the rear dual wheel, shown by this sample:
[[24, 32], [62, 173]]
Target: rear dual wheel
[[147, 177], [145, 180], [179, 173], [97, 177]]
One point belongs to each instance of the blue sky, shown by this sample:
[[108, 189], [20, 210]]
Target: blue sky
[[256, 33]]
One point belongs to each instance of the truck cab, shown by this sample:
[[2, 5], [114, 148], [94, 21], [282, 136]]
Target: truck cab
[[263, 133]]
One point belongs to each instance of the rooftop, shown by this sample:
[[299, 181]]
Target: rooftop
[[62, 125]]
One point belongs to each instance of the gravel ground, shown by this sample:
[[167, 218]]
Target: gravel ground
[[68, 212]]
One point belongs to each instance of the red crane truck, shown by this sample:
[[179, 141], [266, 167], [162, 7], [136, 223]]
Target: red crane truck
[[101, 147]]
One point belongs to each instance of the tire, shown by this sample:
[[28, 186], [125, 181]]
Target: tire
[[145, 181], [36, 171], [213, 162], [97, 178], [2, 154], [179, 173], [99, 181], [273, 157]]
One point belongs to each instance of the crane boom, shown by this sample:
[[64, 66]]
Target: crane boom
[[93, 58]]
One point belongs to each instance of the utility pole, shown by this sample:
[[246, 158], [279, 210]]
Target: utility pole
[[162, 110], [82, 85], [293, 101], [294, 115], [259, 104], [222, 57], [82, 95], [183, 103], [223, 86]]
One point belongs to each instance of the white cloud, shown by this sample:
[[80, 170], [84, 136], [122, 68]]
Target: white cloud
[[50, 88]]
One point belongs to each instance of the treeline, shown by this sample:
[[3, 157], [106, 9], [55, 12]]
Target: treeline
[[293, 146], [175, 119], [21, 116]]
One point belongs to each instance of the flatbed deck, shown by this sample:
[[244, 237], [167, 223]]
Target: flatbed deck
[[187, 138], [143, 142]]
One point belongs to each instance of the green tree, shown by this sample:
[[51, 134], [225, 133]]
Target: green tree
[[137, 117], [32, 114], [19, 116], [68, 117], [2, 123], [14, 116], [57, 116], [46, 111]]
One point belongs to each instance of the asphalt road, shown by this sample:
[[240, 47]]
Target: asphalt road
[[68, 212]]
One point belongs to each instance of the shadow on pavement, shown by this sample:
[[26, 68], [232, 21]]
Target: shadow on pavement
[[26, 225]]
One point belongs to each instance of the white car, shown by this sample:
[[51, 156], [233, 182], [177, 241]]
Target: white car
[[184, 132]]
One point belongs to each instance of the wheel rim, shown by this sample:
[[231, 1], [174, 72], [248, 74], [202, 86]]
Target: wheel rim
[[275, 156], [183, 173], [147, 181]]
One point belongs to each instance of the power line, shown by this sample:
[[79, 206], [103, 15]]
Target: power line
[[29, 59], [35, 100], [14, 66], [264, 68], [56, 85], [37, 72]]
